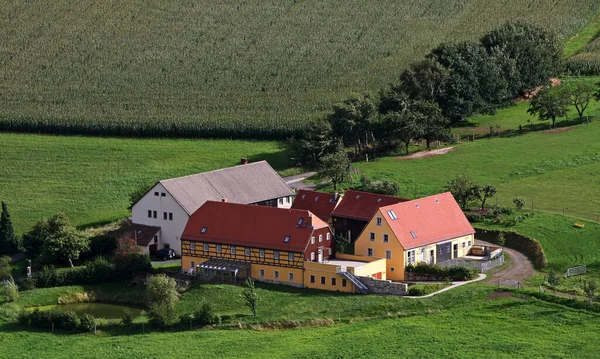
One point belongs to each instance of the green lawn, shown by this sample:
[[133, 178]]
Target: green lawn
[[463, 323], [90, 178], [221, 68], [509, 119]]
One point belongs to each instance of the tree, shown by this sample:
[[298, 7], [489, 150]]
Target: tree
[[424, 80], [488, 191], [342, 243], [334, 166], [161, 297], [315, 141], [434, 126], [589, 287], [553, 280], [250, 296], [519, 203], [463, 189], [549, 103], [8, 241], [536, 52], [404, 126], [352, 121], [62, 241], [580, 97]]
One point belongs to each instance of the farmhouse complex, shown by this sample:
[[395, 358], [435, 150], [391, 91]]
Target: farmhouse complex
[[160, 216]]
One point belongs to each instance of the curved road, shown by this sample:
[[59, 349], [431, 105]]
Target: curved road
[[519, 270]]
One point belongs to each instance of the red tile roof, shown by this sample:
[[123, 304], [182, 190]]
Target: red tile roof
[[319, 203], [431, 219], [362, 206], [252, 226]]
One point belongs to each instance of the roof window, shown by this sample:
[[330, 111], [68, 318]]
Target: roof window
[[303, 196], [203, 230], [412, 234], [437, 200], [378, 200], [287, 239], [417, 205], [357, 196], [316, 198], [300, 221], [392, 214]]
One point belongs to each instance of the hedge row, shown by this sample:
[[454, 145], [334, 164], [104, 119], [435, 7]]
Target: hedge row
[[57, 319], [455, 273], [528, 246]]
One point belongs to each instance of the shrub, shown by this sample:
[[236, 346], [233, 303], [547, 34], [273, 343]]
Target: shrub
[[11, 291], [87, 323], [416, 291], [44, 319], [127, 318], [26, 284], [205, 315], [519, 203], [455, 273], [48, 277]]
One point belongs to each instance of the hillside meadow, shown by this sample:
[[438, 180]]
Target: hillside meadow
[[253, 69], [90, 178], [469, 322]]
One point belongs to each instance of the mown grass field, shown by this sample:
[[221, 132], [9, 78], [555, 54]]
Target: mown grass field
[[468, 322], [256, 69], [90, 178]]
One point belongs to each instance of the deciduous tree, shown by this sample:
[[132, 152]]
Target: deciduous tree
[[463, 189], [487, 191], [351, 121], [250, 296], [580, 97], [549, 104], [334, 166], [8, 240], [162, 296]]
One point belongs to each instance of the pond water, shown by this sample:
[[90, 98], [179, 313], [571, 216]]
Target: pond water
[[99, 310]]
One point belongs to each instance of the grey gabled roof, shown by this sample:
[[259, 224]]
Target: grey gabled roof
[[249, 183]]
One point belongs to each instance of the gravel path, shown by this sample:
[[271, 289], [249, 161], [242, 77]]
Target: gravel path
[[296, 181], [519, 269]]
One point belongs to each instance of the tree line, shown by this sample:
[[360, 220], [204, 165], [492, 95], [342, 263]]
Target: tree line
[[452, 82]]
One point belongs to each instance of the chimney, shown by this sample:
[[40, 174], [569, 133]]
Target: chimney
[[244, 161], [224, 200]]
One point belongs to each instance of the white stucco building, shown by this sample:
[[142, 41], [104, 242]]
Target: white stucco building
[[160, 216]]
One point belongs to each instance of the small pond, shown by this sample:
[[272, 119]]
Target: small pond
[[98, 310]]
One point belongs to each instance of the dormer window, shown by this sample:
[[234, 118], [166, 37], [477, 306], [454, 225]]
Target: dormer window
[[286, 239], [203, 231]]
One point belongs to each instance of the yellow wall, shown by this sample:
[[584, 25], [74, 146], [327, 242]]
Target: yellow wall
[[328, 271], [463, 251], [368, 269], [394, 266], [186, 260], [270, 274]]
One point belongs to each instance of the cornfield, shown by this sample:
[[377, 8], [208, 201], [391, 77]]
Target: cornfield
[[242, 69], [587, 62]]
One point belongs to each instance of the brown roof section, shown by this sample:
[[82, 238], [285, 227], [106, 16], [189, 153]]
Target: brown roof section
[[249, 183], [362, 206], [319, 203], [142, 234], [427, 220], [252, 226]]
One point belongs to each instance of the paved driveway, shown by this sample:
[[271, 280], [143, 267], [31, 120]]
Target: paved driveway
[[297, 181]]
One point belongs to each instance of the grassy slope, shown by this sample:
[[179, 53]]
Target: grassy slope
[[268, 63], [90, 178], [583, 37], [510, 118], [460, 324]]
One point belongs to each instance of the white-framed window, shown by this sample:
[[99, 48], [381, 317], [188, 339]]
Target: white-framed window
[[291, 276], [312, 240], [170, 216], [232, 250], [247, 252], [193, 246], [219, 248], [441, 250], [287, 199], [372, 237], [205, 247], [156, 194], [165, 216], [320, 238], [261, 253], [291, 257], [281, 201], [163, 194], [388, 254], [312, 256], [276, 274], [378, 220], [464, 244], [410, 256], [154, 214], [369, 252], [262, 273], [386, 238], [276, 254], [423, 254], [328, 236]]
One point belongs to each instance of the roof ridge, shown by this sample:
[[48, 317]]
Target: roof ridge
[[213, 171], [416, 199], [263, 207]]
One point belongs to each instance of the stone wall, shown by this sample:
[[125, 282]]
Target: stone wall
[[386, 287], [423, 277]]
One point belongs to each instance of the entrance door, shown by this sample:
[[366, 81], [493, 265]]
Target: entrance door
[[455, 251], [152, 249], [443, 253], [320, 255], [431, 256]]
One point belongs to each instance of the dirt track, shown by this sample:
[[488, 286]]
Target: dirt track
[[519, 269], [427, 153]]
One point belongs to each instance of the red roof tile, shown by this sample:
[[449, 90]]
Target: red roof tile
[[252, 226], [431, 219], [319, 203], [362, 205]]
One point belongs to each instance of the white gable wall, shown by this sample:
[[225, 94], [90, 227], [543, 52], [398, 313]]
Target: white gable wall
[[170, 230], [285, 202]]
